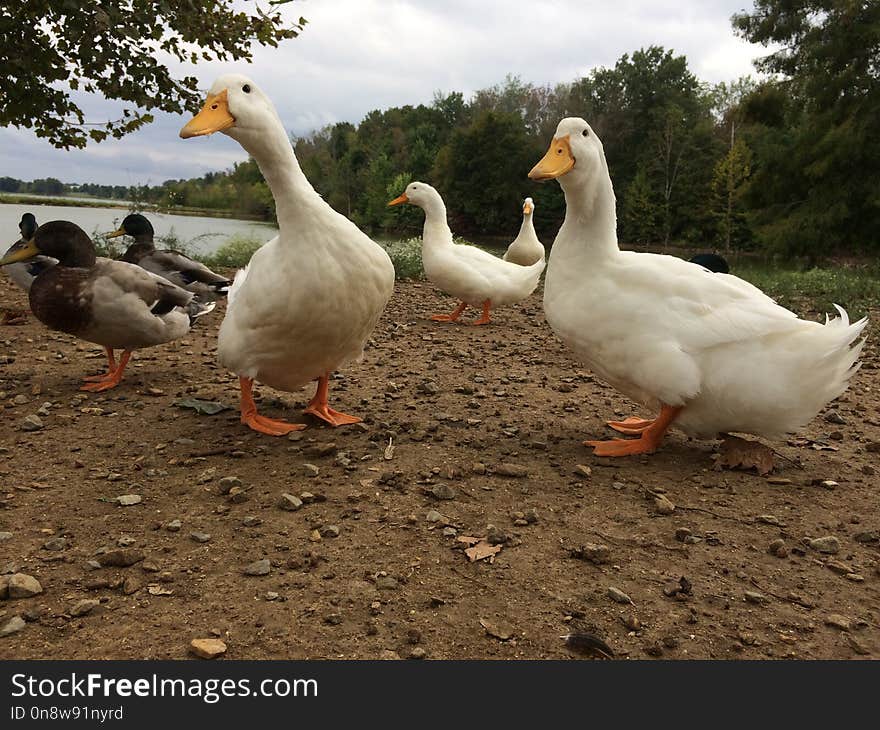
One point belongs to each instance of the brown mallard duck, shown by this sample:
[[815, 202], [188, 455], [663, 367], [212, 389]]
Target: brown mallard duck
[[111, 303]]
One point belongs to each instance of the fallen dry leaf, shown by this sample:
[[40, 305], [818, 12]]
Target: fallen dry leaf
[[482, 550], [468, 540], [157, 590], [738, 453]]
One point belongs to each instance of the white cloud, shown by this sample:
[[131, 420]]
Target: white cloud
[[359, 55]]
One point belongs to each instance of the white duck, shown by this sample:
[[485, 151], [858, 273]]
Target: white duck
[[709, 351], [526, 249], [310, 298], [468, 273]]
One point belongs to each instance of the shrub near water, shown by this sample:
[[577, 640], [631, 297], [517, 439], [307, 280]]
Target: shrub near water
[[234, 254]]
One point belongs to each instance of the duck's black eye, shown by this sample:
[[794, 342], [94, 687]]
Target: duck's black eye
[[586, 133], [246, 88]]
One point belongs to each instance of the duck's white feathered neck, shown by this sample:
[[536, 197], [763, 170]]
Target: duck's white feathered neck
[[528, 226], [589, 231], [273, 152], [437, 231]]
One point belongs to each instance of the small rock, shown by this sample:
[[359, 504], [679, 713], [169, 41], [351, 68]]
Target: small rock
[[237, 495], [131, 585], [5, 536], [478, 468], [81, 608], [31, 423], [22, 585], [511, 470], [531, 516], [128, 500], [631, 622], [495, 535], [290, 502], [333, 619], [258, 567], [55, 544], [618, 596], [251, 521], [386, 583], [330, 531], [663, 505], [174, 526], [449, 532], [13, 626], [442, 491], [207, 648], [418, 653], [833, 416], [200, 536], [768, 520], [434, 516], [838, 621], [310, 470], [682, 534], [228, 483], [828, 545], [582, 470], [755, 597], [778, 548], [592, 552], [120, 558]]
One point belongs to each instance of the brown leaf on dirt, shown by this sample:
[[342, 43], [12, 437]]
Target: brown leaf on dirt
[[482, 550], [738, 453], [810, 444], [498, 630], [468, 540]]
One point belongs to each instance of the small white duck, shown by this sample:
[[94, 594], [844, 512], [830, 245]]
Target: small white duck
[[310, 298], [526, 249], [709, 351], [468, 273]]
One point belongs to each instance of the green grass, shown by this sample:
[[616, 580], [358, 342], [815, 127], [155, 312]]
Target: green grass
[[855, 288], [234, 254]]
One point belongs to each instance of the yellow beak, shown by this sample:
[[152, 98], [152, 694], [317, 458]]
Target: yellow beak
[[556, 162], [115, 234], [22, 252], [214, 117], [527, 209], [399, 200]]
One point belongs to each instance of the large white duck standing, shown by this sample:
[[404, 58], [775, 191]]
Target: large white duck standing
[[525, 249], [468, 273], [710, 352], [310, 298]]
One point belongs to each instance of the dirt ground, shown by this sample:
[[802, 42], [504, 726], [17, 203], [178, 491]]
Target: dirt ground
[[458, 405]]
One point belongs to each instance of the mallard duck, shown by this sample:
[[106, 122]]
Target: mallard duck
[[468, 273], [309, 299], [526, 249], [172, 265], [111, 303], [711, 261], [24, 273], [710, 352]]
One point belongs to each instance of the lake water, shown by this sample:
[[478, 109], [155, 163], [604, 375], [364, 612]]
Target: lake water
[[201, 234]]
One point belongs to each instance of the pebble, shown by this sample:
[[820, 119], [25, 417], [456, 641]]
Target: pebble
[[5, 536], [310, 470], [81, 608], [13, 626], [330, 531], [251, 521], [592, 552], [31, 423], [833, 416], [174, 526], [495, 535], [443, 491], [258, 567], [333, 619], [418, 653], [582, 470], [227, 484], [21, 585], [618, 596], [55, 544], [290, 502], [663, 505], [531, 516], [20, 399], [682, 534], [434, 516], [131, 585], [237, 495], [511, 470], [768, 520], [838, 621], [120, 558], [828, 544], [200, 536], [207, 648], [128, 500], [449, 532], [386, 583], [755, 597], [778, 548]]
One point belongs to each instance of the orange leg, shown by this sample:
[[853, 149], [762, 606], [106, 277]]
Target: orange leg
[[631, 426], [450, 317], [484, 318], [250, 417], [111, 366], [649, 439], [318, 406], [111, 379]]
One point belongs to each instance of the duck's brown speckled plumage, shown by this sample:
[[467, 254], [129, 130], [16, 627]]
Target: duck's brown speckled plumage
[[61, 299]]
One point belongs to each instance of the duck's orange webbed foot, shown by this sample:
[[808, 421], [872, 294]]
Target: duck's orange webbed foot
[[450, 317], [631, 426], [484, 317], [261, 424], [319, 408], [111, 366], [650, 437], [100, 383]]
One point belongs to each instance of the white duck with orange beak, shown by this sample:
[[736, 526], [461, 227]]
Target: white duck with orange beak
[[526, 249], [709, 352], [475, 277], [309, 299]]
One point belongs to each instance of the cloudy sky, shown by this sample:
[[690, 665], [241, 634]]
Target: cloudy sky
[[358, 55]]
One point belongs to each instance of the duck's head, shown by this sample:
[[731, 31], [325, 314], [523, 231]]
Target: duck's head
[[419, 194], [528, 207], [575, 153], [135, 225], [235, 106], [27, 226], [61, 240]]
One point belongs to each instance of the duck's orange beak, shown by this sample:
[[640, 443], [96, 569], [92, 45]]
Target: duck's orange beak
[[556, 162], [399, 200], [214, 117]]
